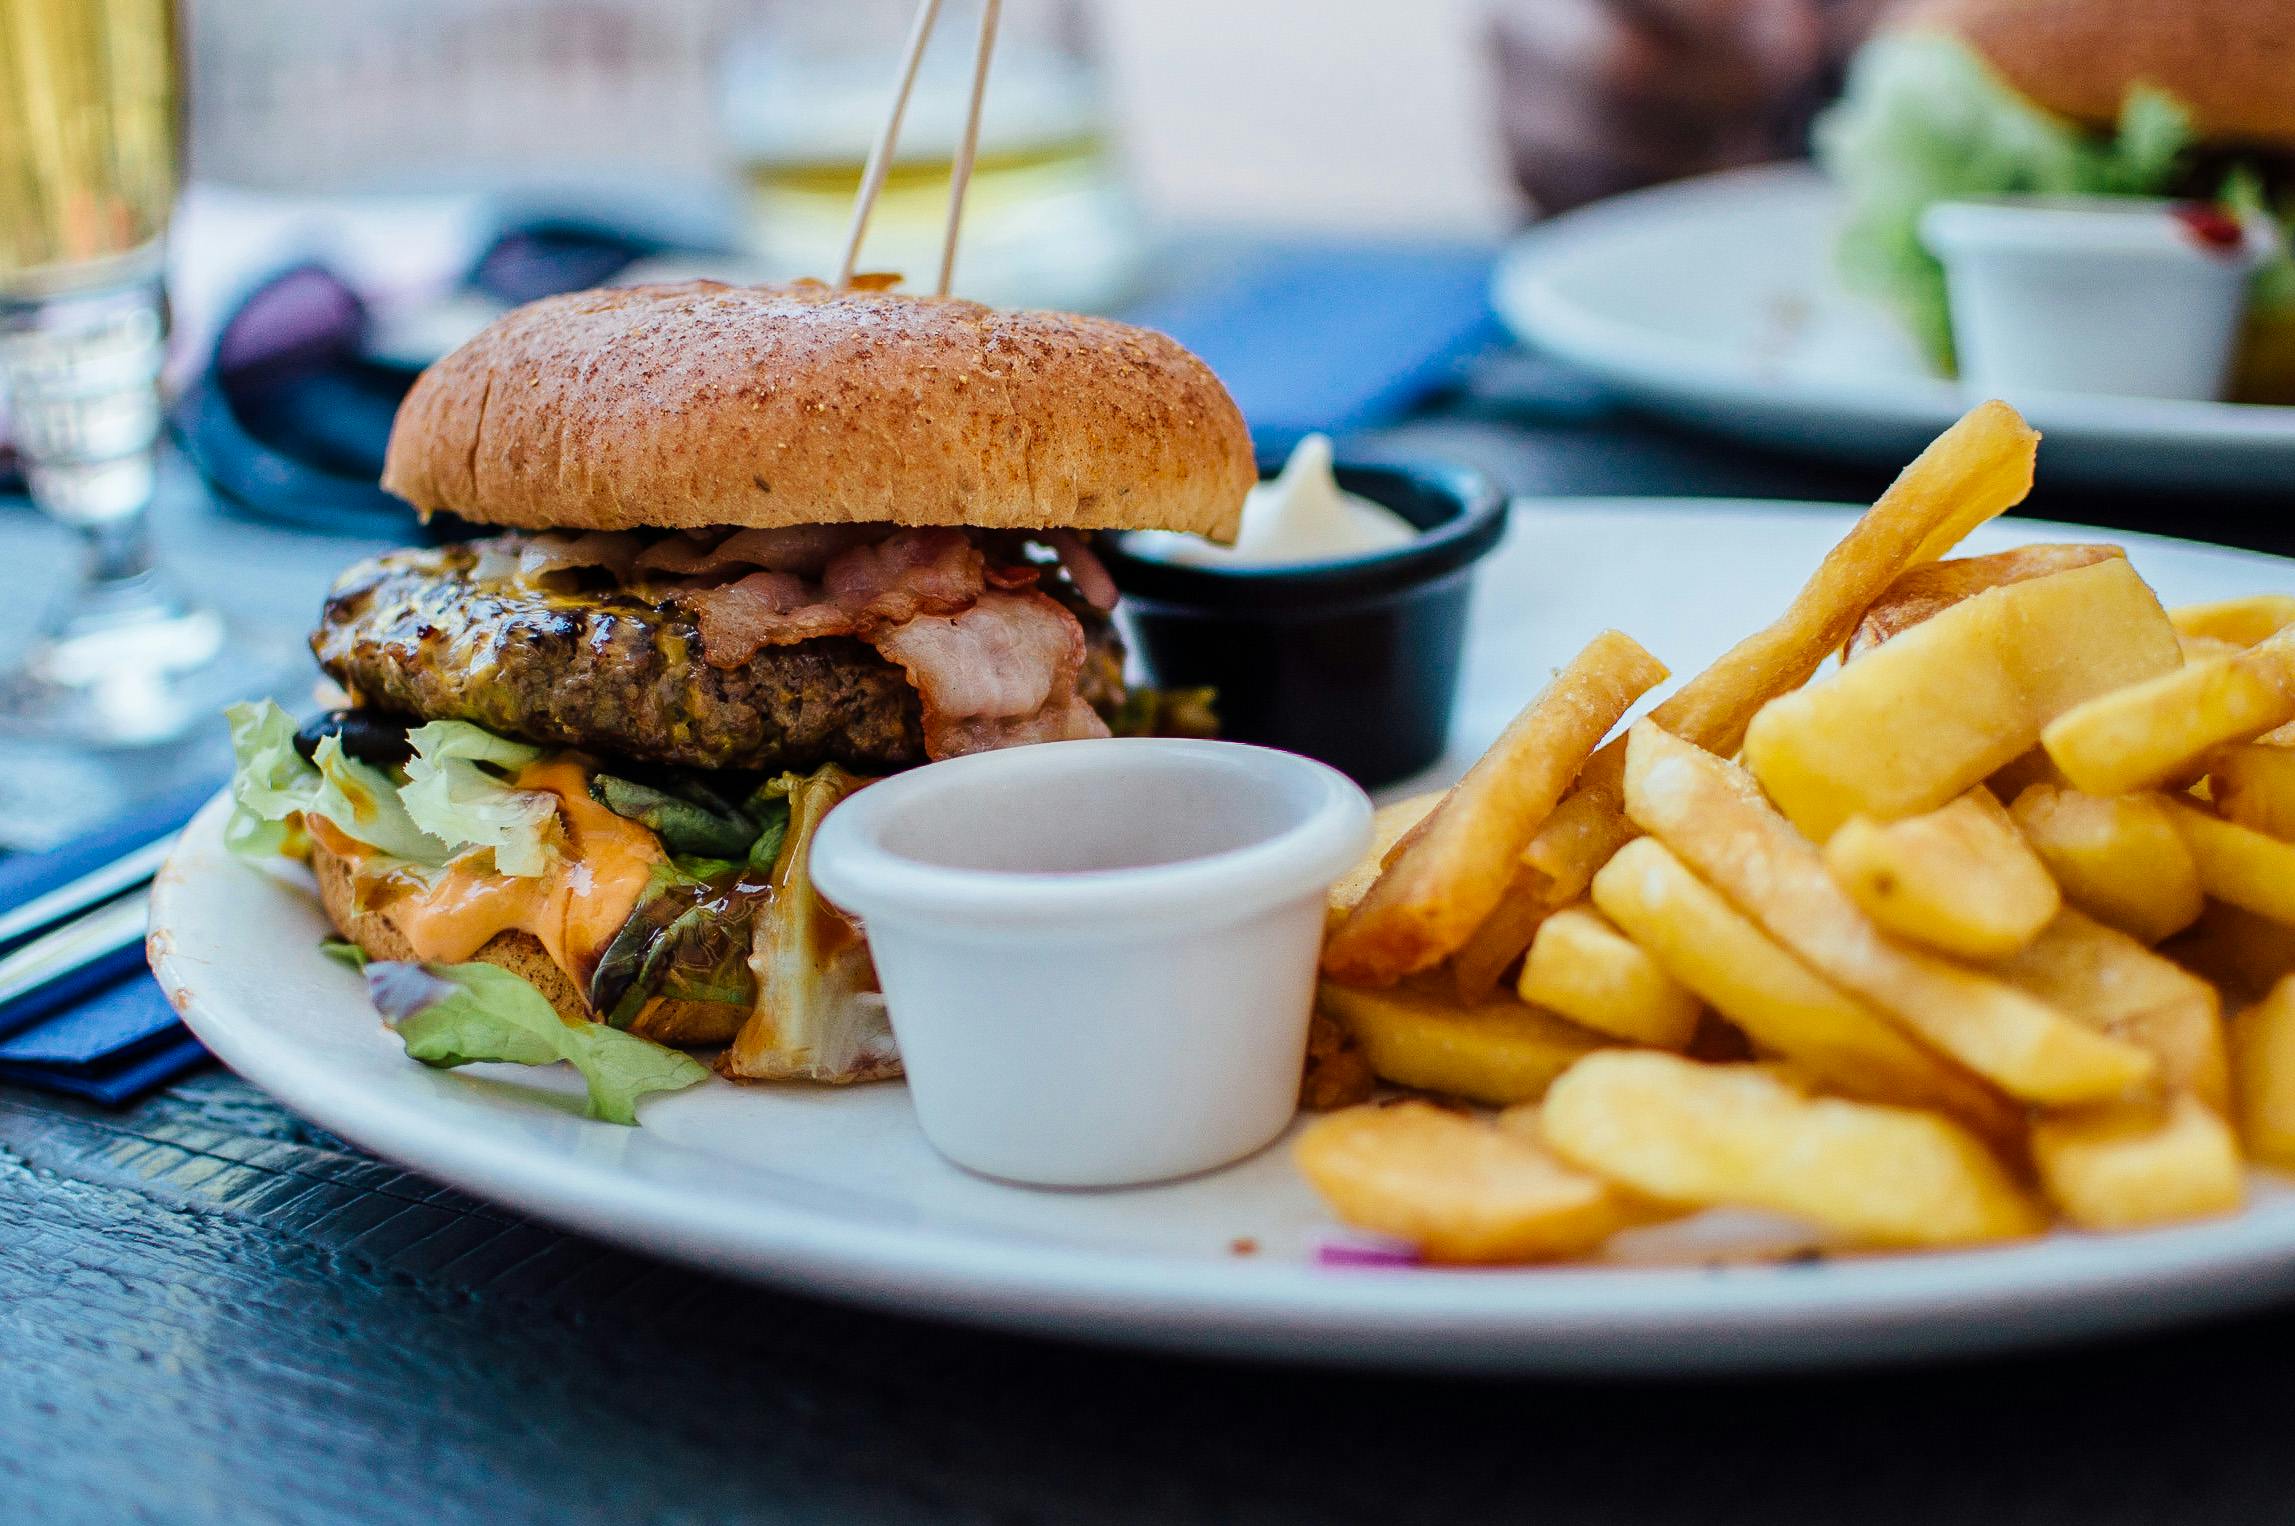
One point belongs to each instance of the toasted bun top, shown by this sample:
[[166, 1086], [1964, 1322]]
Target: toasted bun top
[[2230, 62], [705, 404]]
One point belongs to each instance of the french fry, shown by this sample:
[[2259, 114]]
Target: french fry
[[1960, 879], [1910, 725], [2118, 858], [1737, 1136], [2160, 731], [2032, 766], [2254, 786], [1498, 1052], [1337, 1072], [1460, 1189], [2197, 649], [1709, 813], [1426, 903], [2239, 864], [1476, 969], [1927, 590], [1390, 824], [2263, 1069], [2241, 622], [2114, 984], [1582, 968], [2123, 1165], [2241, 953], [1783, 1006]]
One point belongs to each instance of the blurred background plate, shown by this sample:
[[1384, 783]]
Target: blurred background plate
[[835, 1192], [1714, 302]]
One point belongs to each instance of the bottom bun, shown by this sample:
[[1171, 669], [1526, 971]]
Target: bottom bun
[[690, 1023]]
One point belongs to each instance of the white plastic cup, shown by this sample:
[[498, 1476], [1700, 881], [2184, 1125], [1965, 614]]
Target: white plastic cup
[[1099, 957], [2104, 294]]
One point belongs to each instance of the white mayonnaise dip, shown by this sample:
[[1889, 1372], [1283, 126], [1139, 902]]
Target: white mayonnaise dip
[[1301, 516]]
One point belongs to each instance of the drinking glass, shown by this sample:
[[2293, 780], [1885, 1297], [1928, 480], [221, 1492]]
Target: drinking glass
[[90, 112]]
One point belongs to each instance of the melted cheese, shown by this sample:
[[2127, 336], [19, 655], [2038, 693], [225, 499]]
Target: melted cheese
[[573, 909]]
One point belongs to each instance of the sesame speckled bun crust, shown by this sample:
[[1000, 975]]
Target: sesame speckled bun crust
[[682, 406]]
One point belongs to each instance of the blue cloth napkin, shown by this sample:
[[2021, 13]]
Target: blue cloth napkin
[[105, 1032]]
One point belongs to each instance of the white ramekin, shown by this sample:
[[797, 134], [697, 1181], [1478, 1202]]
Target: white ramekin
[[1099, 957], [2109, 294]]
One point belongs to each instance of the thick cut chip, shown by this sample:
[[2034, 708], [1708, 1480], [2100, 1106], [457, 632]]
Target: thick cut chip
[[1477, 968], [2255, 786], [2242, 953], [2115, 985], [1782, 1005], [1909, 725], [1458, 862], [1961, 878], [1390, 824], [1499, 1051], [2263, 1074], [1978, 469], [1738, 1136], [2161, 731], [2240, 622], [1716, 822], [1460, 1189], [2239, 864], [2119, 858], [1586, 970], [1930, 590], [2127, 1164]]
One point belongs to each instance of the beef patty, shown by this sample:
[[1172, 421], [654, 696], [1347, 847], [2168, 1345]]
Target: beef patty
[[606, 671]]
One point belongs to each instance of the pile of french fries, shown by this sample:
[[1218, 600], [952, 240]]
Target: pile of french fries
[[1933, 949]]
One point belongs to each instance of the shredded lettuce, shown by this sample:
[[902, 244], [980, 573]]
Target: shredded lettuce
[[273, 787], [1924, 120], [457, 792], [458, 1014]]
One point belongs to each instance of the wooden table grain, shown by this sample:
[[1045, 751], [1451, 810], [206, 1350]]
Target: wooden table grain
[[211, 1311]]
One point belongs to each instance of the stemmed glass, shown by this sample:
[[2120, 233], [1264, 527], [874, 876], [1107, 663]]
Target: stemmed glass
[[90, 116]]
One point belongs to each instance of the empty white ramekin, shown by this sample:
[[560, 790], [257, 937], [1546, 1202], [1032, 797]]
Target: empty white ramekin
[[1099, 957], [2110, 294]]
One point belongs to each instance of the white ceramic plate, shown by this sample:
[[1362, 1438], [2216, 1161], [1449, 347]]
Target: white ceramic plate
[[1714, 301], [836, 1193]]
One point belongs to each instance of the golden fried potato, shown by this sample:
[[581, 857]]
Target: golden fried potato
[[1457, 863], [1960, 879], [1780, 1003], [1498, 1052], [2241, 953], [1477, 968], [1925, 591], [1737, 1136], [1337, 1073], [1390, 824], [1714, 819], [1584, 969], [2118, 858], [1978, 469], [1460, 1189], [2254, 786], [2122, 1165], [2239, 864], [2197, 649], [2114, 984], [2160, 731], [2239, 622], [2263, 1074], [1910, 725]]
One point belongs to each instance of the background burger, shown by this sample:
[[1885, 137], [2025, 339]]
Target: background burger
[[757, 546], [2176, 98]]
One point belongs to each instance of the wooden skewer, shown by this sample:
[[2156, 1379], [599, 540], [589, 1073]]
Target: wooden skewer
[[960, 173], [888, 138]]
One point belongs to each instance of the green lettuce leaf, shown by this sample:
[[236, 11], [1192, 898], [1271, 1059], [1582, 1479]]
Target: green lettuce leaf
[[686, 825], [460, 1014], [457, 792], [1924, 120], [272, 785]]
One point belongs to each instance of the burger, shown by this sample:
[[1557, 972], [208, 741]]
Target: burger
[[740, 551], [2185, 99]]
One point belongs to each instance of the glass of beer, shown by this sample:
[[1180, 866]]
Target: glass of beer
[[90, 118]]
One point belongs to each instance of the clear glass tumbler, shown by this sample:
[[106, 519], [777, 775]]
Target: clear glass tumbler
[[90, 117]]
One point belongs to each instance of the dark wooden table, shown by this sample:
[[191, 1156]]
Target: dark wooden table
[[211, 1311]]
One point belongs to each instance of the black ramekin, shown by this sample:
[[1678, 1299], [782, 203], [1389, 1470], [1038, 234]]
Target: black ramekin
[[1354, 660]]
